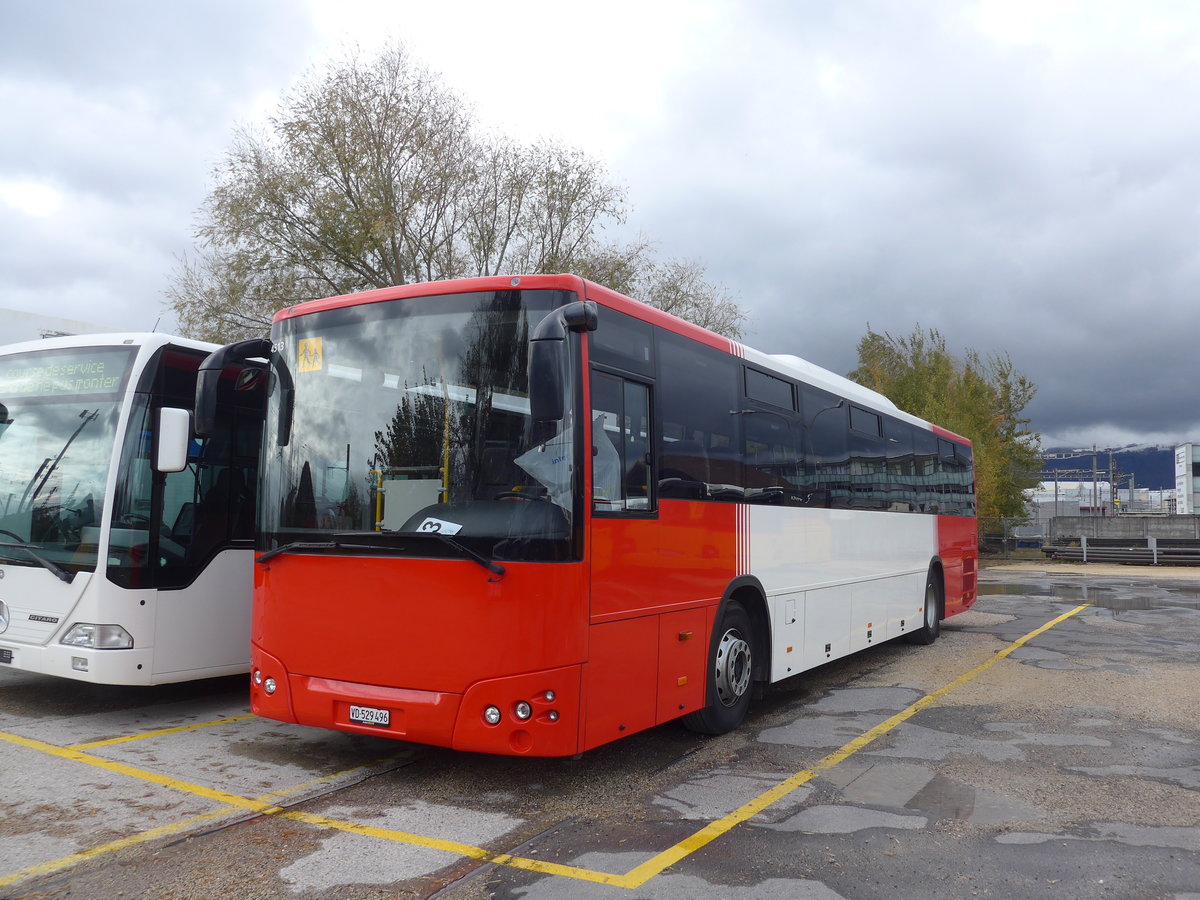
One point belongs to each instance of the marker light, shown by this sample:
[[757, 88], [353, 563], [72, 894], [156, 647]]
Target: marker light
[[269, 685], [523, 710], [98, 637], [491, 715]]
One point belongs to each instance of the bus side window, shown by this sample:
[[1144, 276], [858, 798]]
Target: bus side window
[[621, 461]]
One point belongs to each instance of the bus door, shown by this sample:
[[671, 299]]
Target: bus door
[[189, 534]]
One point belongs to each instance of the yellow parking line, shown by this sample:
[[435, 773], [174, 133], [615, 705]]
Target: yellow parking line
[[92, 745], [631, 880], [188, 787], [141, 837], [173, 828], [647, 870]]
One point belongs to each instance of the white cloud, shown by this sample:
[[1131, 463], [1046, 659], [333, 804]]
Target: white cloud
[[31, 198]]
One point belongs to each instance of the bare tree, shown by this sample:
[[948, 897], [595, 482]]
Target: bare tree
[[372, 173]]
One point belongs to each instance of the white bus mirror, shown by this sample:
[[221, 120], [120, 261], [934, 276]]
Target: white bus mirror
[[172, 437]]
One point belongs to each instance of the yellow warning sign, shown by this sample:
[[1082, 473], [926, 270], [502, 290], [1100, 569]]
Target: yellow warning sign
[[311, 355]]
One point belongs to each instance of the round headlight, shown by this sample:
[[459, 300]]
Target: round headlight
[[269, 685], [523, 710], [491, 715], [258, 676]]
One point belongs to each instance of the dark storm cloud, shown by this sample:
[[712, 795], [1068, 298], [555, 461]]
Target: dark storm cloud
[[896, 164]]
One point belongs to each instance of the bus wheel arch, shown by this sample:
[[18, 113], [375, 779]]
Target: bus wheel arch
[[737, 661], [933, 606]]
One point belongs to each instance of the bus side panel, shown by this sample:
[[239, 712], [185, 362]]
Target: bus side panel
[[959, 550], [204, 629], [685, 556], [656, 583], [644, 672], [619, 680], [682, 651]]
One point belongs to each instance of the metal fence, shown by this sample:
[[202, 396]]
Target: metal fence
[[1144, 540], [1012, 538]]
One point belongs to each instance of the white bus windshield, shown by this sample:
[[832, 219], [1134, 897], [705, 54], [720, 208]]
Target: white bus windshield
[[58, 420]]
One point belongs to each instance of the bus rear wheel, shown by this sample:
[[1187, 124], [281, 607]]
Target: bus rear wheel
[[730, 674], [932, 625]]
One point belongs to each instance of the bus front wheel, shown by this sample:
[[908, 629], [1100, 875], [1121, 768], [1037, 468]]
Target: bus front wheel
[[730, 668]]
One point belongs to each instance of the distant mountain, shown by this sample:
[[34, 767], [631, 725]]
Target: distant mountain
[[1151, 467]]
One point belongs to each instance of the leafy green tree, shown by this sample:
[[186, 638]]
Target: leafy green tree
[[372, 173], [980, 398]]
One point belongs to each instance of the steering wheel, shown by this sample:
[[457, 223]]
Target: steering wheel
[[518, 495]]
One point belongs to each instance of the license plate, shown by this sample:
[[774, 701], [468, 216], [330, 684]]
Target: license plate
[[369, 715], [5, 656]]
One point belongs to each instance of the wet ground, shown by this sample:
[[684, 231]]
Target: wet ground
[[1048, 745]]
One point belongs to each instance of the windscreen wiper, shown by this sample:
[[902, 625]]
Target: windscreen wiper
[[294, 546], [491, 565], [54, 567], [462, 549]]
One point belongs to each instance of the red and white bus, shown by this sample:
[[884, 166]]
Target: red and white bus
[[531, 516]]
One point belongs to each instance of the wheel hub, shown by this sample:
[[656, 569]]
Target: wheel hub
[[733, 667]]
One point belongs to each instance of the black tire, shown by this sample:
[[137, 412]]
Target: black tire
[[933, 609], [730, 674]]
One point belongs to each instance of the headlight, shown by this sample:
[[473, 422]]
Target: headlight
[[98, 637], [491, 715], [523, 710]]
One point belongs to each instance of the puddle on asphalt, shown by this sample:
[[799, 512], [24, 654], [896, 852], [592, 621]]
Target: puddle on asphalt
[[1123, 597]]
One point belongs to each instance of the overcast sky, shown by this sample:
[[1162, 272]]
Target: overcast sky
[[1022, 176]]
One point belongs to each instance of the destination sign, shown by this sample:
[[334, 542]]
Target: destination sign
[[86, 370]]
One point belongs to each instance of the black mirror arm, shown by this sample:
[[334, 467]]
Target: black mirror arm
[[210, 374]]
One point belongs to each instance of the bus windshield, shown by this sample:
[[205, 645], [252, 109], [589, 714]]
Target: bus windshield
[[58, 420], [404, 427]]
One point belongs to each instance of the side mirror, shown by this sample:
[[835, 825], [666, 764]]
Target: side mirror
[[171, 439], [547, 360], [209, 377], [548, 357]]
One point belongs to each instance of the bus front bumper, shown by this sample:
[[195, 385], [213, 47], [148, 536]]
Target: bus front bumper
[[532, 714]]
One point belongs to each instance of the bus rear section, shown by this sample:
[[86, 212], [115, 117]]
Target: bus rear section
[[114, 568], [531, 516]]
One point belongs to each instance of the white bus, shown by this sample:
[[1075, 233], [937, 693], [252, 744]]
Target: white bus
[[125, 544]]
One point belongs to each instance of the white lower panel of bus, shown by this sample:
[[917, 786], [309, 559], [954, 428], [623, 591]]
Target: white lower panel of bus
[[837, 581], [200, 631]]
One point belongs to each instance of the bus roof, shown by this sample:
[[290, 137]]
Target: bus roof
[[115, 339]]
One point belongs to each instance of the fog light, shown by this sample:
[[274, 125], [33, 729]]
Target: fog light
[[491, 715], [79, 663], [258, 676], [523, 710], [269, 685]]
